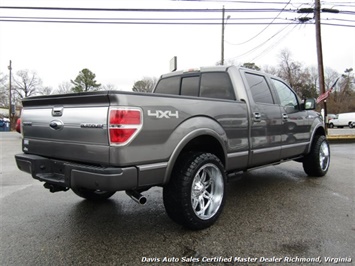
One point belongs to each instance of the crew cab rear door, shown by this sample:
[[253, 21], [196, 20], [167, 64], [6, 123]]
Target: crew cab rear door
[[266, 120]]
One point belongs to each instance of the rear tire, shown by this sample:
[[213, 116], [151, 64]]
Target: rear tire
[[317, 162], [94, 195], [196, 194], [331, 125]]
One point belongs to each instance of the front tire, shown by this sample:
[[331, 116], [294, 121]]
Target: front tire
[[317, 162], [94, 195], [196, 194]]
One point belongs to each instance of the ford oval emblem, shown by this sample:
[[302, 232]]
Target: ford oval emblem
[[56, 124]]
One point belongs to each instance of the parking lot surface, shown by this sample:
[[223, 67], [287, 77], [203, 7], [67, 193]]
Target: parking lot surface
[[274, 215]]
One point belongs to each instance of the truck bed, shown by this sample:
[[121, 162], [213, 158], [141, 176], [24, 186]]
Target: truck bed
[[75, 127]]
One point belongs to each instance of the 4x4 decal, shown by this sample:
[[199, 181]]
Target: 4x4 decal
[[163, 114]]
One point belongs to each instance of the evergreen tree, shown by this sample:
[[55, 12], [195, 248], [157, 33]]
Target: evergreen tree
[[85, 82]]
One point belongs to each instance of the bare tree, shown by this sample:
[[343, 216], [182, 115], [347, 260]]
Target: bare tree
[[27, 83], [4, 91], [270, 69], [299, 78], [64, 88], [330, 77], [108, 87], [45, 91], [147, 84], [288, 69], [346, 96]]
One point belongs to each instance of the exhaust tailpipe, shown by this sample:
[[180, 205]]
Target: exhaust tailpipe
[[136, 196]]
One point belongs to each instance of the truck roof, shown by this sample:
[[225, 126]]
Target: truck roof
[[196, 70], [223, 68]]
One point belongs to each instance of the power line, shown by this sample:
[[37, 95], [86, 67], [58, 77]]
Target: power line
[[258, 34], [166, 21], [158, 21], [345, 3], [137, 19], [338, 25], [345, 12], [272, 46], [243, 10], [262, 44], [338, 19], [133, 22], [244, 2]]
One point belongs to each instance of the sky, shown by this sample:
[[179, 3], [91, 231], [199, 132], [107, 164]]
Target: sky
[[121, 53]]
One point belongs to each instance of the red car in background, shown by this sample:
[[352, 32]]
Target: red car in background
[[18, 125]]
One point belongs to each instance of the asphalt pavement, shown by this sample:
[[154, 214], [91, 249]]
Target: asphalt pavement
[[273, 216]]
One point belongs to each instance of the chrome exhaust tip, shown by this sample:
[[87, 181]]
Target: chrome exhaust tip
[[136, 196]]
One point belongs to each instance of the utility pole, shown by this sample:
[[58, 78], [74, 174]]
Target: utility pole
[[320, 57], [222, 44], [316, 11], [224, 21], [10, 111]]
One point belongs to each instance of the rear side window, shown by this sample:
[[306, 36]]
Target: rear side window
[[169, 86], [216, 85], [259, 88]]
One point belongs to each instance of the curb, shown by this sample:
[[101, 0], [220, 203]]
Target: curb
[[341, 138]]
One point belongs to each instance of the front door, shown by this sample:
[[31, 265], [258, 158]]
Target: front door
[[296, 130]]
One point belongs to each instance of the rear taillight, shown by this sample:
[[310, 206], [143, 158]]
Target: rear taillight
[[124, 124]]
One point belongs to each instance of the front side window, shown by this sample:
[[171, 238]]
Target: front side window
[[288, 98], [259, 88]]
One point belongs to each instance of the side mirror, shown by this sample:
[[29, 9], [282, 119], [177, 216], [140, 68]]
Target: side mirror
[[310, 104]]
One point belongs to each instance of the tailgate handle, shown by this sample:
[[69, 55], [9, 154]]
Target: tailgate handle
[[57, 111]]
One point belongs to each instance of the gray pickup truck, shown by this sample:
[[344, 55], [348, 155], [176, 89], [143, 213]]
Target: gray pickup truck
[[196, 129]]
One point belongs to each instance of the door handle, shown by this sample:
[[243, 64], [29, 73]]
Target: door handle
[[284, 117], [257, 117]]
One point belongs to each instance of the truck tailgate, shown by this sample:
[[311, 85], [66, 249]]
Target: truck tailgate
[[71, 127]]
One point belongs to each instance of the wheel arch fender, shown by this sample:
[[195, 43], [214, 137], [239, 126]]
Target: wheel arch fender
[[319, 130], [204, 133]]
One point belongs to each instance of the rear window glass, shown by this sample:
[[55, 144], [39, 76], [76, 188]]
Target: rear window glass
[[169, 86], [216, 85], [209, 85], [190, 86]]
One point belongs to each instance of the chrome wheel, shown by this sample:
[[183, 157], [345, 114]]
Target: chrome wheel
[[196, 193], [324, 156], [207, 191], [317, 162]]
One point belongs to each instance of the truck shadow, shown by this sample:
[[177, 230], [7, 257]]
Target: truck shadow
[[263, 204]]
